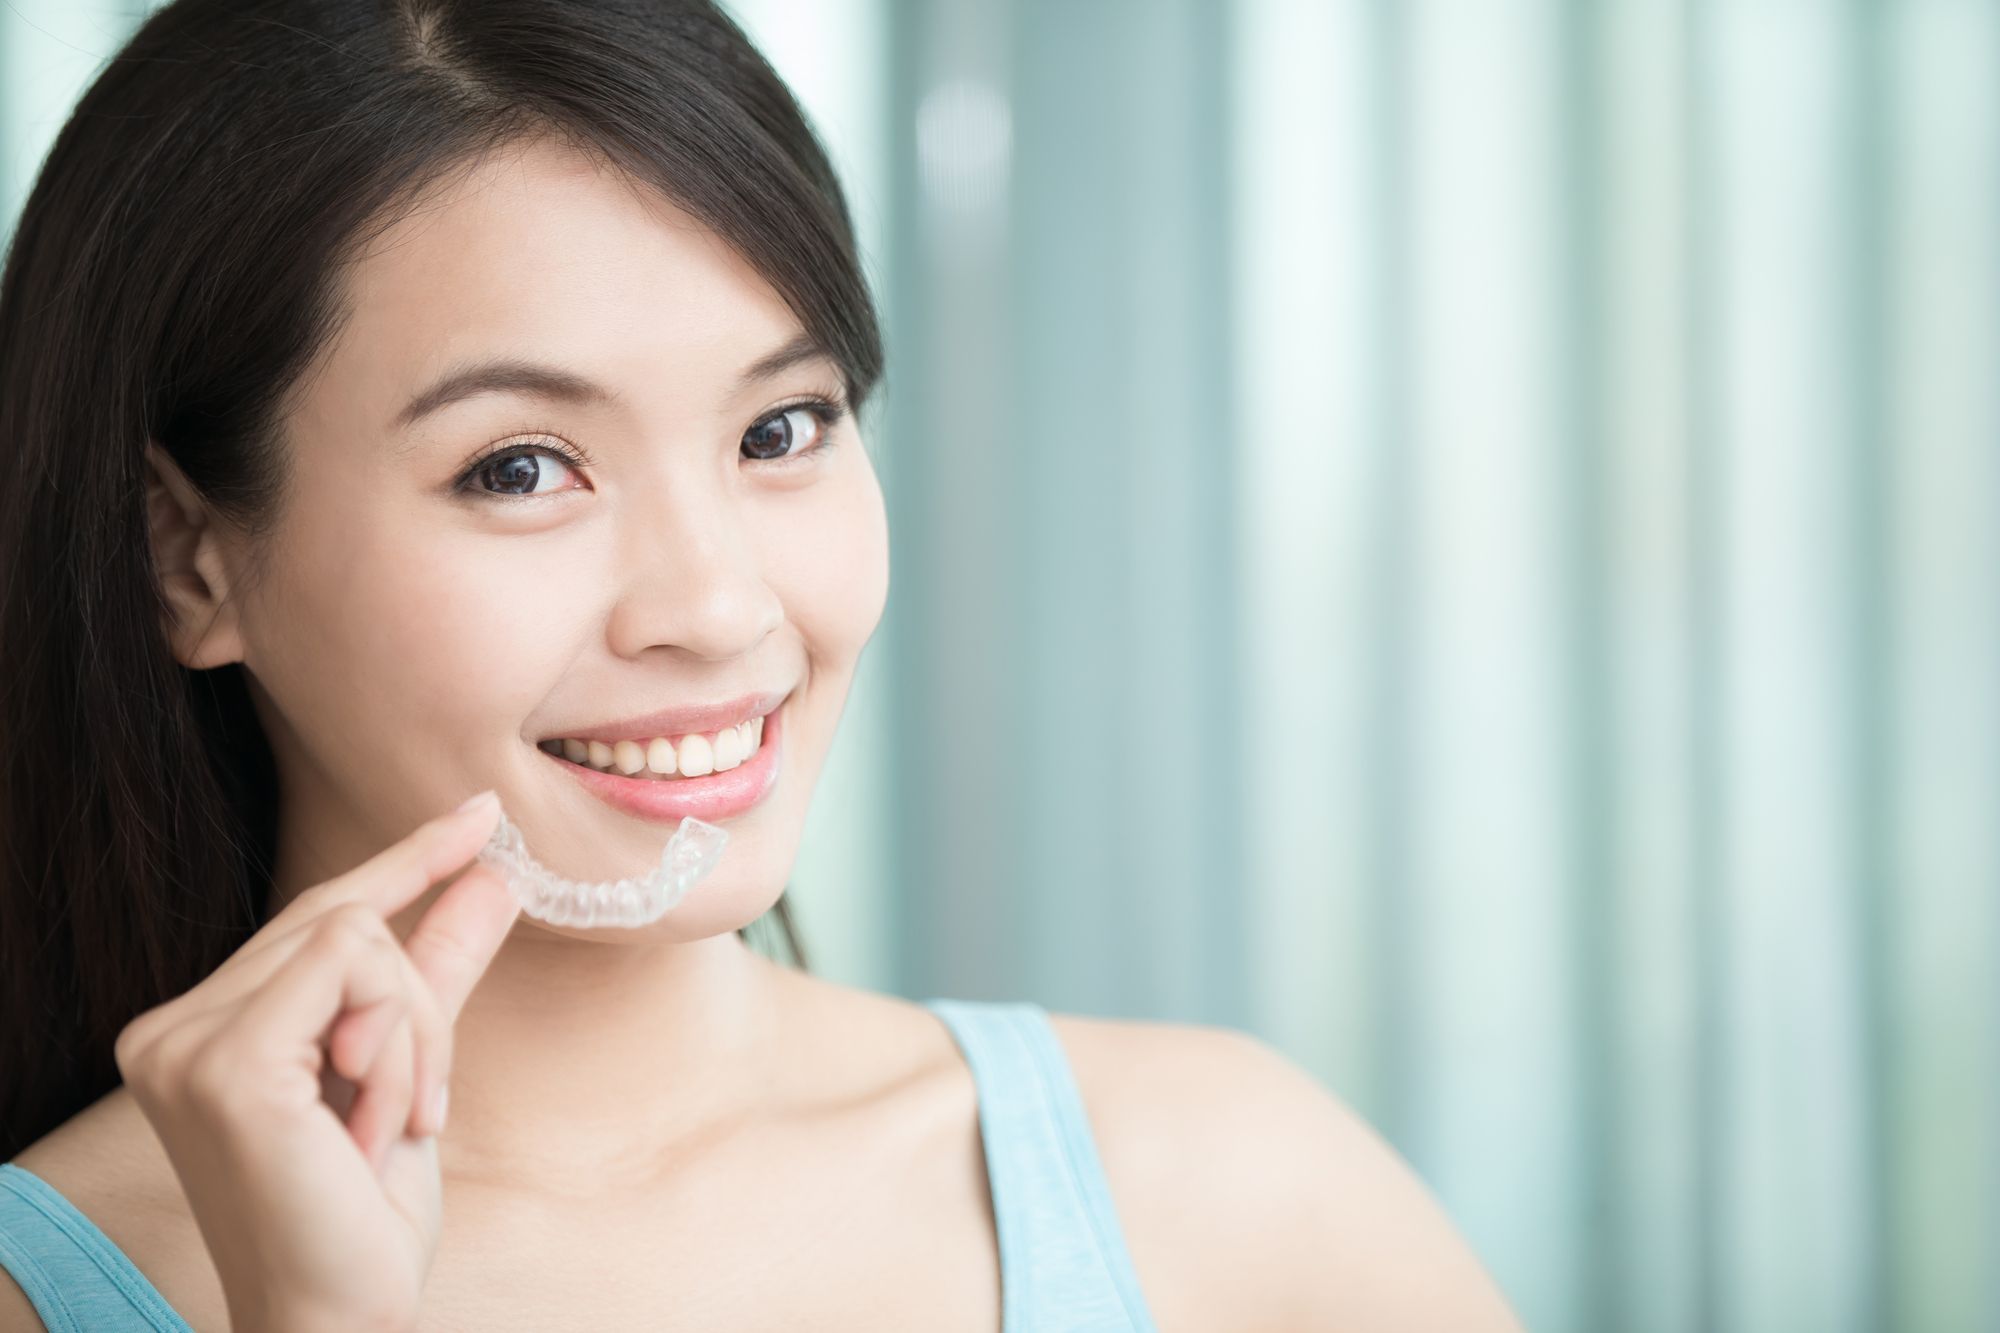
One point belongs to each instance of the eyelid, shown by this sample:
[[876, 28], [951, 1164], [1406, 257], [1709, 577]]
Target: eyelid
[[530, 441], [830, 407], [829, 410]]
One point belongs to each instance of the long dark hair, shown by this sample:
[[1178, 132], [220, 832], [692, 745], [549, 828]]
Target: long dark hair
[[175, 271]]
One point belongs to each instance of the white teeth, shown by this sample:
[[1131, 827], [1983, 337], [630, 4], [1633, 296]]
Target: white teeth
[[696, 756]]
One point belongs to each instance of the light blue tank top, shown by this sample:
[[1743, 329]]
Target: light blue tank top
[[1063, 1262]]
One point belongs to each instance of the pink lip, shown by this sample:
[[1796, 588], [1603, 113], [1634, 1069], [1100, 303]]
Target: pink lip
[[674, 722], [714, 797]]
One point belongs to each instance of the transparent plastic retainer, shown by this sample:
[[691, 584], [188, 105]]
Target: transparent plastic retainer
[[690, 854]]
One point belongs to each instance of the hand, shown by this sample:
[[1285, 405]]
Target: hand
[[315, 1220]]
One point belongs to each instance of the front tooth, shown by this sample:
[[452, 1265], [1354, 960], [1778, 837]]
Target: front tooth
[[628, 756], [575, 751], [728, 749], [600, 754], [660, 756], [697, 758]]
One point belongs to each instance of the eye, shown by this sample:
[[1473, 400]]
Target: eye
[[517, 471], [778, 439]]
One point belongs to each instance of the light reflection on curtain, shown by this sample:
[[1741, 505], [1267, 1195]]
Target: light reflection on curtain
[[1483, 515]]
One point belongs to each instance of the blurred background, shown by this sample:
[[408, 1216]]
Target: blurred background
[[1459, 537]]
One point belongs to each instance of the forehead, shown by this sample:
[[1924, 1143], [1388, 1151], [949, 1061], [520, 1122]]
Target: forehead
[[544, 253]]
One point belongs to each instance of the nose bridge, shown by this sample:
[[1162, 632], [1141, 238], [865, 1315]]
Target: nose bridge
[[691, 573]]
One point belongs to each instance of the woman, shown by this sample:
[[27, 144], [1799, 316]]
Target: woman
[[415, 399]]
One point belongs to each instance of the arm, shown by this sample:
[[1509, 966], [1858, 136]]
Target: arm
[[1343, 1232], [1255, 1198]]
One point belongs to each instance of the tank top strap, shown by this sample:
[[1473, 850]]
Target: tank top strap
[[76, 1278], [1063, 1258]]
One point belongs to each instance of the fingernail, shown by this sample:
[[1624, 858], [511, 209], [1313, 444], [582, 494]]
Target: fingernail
[[439, 1099], [488, 795]]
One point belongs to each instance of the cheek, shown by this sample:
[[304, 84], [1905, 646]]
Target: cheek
[[386, 637], [399, 638], [829, 562], [481, 628]]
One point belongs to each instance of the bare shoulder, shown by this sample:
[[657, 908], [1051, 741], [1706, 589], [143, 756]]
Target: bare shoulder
[[1250, 1194], [73, 1158], [104, 1155], [107, 1161], [17, 1312]]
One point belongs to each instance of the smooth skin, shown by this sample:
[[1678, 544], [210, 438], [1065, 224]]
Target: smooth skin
[[294, 1088], [659, 1127]]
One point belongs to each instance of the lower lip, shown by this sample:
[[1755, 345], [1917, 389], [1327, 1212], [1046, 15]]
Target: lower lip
[[714, 797]]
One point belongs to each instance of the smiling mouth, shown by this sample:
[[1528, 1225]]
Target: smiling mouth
[[666, 758]]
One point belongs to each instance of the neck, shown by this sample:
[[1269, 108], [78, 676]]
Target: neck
[[583, 1062], [604, 1060]]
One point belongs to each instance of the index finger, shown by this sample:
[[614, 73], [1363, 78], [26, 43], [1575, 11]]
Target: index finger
[[400, 873]]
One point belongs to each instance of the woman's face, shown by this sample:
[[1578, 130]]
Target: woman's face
[[419, 630]]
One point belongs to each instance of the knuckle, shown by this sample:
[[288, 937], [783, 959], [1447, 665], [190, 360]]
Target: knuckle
[[453, 947], [161, 1065], [351, 925], [212, 1077], [311, 900], [132, 1041]]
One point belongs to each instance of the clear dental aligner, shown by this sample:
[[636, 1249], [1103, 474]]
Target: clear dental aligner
[[690, 854]]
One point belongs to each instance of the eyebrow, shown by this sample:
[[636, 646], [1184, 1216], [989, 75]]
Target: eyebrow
[[513, 375]]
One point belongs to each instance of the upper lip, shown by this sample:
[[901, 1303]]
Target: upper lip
[[679, 721]]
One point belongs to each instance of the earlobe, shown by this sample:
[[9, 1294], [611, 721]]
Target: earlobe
[[198, 617]]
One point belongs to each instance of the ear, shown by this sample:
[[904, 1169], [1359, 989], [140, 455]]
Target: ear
[[200, 620]]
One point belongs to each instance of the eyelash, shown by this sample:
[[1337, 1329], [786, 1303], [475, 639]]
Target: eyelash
[[828, 411]]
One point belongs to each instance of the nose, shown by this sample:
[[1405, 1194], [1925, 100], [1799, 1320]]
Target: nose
[[694, 580]]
